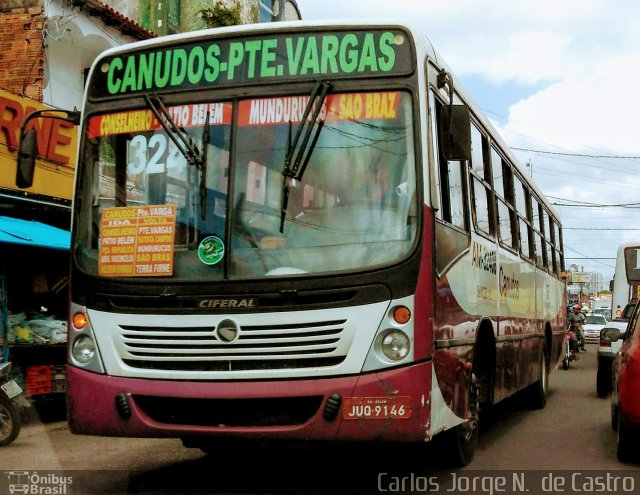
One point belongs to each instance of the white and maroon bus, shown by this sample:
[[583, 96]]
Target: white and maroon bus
[[626, 280], [302, 231]]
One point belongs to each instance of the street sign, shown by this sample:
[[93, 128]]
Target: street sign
[[581, 277]]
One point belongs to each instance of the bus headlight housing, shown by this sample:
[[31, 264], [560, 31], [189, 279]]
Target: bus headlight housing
[[392, 343], [395, 344], [84, 349]]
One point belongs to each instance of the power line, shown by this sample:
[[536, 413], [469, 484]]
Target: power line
[[627, 205], [586, 257], [596, 228], [622, 157], [583, 204], [571, 258]]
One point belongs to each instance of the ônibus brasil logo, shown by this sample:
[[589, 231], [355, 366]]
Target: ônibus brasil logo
[[34, 482]]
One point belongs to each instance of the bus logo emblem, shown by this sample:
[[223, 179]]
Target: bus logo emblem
[[227, 331]]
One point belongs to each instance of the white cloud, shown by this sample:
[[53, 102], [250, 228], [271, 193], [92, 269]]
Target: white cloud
[[597, 116], [586, 51], [527, 57], [581, 59]]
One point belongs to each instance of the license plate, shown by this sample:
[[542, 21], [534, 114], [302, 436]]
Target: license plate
[[11, 388], [376, 408]]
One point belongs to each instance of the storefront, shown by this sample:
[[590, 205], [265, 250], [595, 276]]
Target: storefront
[[34, 265]]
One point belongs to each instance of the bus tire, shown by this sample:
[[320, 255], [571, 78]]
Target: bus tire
[[538, 390], [459, 444]]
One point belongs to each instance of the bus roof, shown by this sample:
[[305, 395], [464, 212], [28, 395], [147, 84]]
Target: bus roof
[[424, 50]]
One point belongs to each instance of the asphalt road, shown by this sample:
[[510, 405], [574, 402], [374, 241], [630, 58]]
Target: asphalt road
[[520, 447]]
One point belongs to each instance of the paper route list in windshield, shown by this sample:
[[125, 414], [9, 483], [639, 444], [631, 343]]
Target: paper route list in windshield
[[137, 241]]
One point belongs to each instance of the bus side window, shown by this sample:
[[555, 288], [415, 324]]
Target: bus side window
[[505, 211], [482, 198], [453, 195], [522, 208], [558, 247], [536, 222], [548, 245]]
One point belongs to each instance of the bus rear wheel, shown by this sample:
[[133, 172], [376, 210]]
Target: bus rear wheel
[[537, 392]]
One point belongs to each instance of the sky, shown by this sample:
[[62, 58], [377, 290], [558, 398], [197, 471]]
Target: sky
[[560, 80]]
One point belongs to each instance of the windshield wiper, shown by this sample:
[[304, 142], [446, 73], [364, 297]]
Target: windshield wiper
[[185, 144], [177, 134], [297, 157], [203, 169]]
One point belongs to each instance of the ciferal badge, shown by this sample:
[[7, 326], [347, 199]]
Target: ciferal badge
[[211, 250]]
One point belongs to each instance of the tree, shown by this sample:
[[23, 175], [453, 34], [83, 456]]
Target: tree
[[221, 14]]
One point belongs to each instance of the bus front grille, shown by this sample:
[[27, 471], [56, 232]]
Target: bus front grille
[[257, 347]]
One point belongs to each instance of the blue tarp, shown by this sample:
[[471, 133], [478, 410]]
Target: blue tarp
[[31, 233]]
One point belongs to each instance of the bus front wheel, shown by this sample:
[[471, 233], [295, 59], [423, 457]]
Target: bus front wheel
[[459, 443]]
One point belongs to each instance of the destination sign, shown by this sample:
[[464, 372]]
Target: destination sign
[[256, 111], [269, 58], [632, 263]]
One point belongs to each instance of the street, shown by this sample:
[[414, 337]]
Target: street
[[572, 433]]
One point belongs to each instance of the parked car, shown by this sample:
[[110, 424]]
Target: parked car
[[607, 349], [625, 396], [592, 326]]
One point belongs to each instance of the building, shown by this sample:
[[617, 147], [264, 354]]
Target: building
[[46, 49], [175, 16], [583, 286]]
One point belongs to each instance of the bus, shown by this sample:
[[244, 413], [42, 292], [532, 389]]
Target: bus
[[301, 231], [626, 279]]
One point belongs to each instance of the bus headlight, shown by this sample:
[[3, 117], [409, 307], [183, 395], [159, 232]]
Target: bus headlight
[[84, 349], [395, 345]]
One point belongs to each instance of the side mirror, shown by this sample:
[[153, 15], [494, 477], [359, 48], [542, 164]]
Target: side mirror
[[26, 158], [27, 148], [610, 334], [455, 132]]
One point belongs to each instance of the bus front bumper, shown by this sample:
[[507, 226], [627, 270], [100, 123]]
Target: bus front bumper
[[390, 405]]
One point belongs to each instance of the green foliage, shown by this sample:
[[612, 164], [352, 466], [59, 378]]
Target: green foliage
[[221, 15]]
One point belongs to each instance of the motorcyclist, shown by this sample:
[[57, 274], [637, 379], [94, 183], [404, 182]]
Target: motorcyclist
[[576, 320]]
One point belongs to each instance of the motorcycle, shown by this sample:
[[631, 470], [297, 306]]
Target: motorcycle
[[571, 348], [10, 419]]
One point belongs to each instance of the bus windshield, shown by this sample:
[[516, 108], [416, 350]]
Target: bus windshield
[[145, 207]]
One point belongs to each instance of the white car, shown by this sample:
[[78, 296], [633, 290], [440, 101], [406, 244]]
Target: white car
[[592, 326], [609, 347], [606, 312]]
